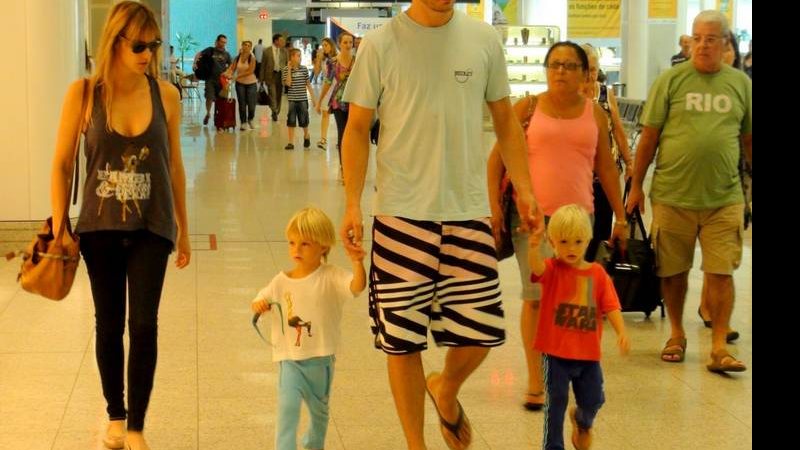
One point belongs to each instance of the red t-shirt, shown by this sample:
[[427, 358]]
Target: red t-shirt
[[572, 306]]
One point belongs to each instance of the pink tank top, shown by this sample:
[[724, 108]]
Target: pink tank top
[[561, 159]]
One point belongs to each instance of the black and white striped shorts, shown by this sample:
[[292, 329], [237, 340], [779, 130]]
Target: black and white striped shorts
[[442, 274]]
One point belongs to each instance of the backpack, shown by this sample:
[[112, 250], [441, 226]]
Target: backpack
[[205, 65]]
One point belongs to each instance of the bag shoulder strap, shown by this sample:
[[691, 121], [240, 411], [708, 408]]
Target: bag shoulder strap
[[532, 99], [74, 181]]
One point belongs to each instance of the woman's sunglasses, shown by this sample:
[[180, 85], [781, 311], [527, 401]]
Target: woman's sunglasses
[[139, 46]]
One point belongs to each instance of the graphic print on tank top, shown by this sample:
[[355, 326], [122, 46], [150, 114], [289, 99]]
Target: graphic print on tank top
[[579, 312], [125, 184]]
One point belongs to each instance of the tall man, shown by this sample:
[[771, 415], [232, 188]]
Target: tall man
[[697, 114], [433, 256], [272, 63]]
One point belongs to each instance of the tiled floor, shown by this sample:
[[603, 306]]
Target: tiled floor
[[215, 382]]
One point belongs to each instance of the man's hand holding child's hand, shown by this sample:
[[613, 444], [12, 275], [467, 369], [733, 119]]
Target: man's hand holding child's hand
[[356, 254], [535, 239]]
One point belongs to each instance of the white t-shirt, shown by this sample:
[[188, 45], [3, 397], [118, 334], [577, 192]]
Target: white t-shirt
[[307, 323], [431, 84]]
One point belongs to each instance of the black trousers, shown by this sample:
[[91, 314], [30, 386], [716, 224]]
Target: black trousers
[[275, 88], [603, 218], [116, 260], [341, 123]]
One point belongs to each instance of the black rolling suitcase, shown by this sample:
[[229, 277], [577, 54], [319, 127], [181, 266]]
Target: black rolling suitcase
[[634, 272]]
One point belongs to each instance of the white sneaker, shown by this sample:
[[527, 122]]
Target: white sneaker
[[241, 127], [250, 124]]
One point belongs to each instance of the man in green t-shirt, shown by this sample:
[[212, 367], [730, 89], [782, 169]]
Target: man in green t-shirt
[[697, 114]]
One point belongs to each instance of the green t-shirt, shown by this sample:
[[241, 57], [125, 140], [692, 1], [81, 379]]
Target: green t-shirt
[[701, 117]]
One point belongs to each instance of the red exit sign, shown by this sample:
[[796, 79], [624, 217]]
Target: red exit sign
[[263, 14]]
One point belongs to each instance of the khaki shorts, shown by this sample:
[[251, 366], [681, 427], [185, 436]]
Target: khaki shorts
[[675, 231]]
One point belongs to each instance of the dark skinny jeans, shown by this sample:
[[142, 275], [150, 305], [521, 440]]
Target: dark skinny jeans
[[341, 123], [246, 94], [116, 260]]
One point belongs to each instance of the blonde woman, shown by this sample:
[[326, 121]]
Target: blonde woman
[[335, 82], [620, 151], [244, 66], [127, 227], [329, 56]]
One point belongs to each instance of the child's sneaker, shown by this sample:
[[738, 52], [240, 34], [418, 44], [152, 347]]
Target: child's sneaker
[[306, 143], [581, 437], [289, 146], [250, 124]]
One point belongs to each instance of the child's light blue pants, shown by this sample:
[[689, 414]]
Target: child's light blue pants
[[306, 380]]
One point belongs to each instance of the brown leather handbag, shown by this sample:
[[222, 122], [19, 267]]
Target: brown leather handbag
[[49, 262]]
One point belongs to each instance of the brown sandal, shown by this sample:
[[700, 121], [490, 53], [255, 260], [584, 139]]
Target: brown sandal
[[674, 350], [722, 362]]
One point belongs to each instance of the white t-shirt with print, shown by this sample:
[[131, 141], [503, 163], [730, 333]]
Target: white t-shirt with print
[[429, 85], [307, 323]]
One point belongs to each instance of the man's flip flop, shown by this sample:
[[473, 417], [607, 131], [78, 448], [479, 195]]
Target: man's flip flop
[[455, 429]]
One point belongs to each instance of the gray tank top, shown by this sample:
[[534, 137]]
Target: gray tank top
[[128, 184]]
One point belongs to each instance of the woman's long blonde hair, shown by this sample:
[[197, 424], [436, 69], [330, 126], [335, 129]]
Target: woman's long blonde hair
[[130, 19], [334, 51]]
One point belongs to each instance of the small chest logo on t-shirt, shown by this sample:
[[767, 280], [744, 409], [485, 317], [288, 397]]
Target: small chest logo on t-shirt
[[462, 76], [707, 102]]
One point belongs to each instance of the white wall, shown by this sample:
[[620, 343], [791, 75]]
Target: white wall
[[47, 55], [252, 29], [544, 12]]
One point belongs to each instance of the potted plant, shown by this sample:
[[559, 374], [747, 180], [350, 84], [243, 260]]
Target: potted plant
[[185, 44]]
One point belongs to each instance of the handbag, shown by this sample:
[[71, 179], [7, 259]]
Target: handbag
[[224, 82], [505, 246], [633, 271], [48, 263], [262, 97]]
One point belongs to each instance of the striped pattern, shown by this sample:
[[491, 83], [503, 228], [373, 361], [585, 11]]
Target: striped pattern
[[297, 91], [442, 274]]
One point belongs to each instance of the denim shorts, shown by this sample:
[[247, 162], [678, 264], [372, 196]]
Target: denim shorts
[[298, 114]]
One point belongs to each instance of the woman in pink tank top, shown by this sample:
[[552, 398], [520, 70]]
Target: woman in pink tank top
[[567, 136]]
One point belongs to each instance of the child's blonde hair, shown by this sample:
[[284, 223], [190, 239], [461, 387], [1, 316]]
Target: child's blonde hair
[[570, 221], [314, 225]]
